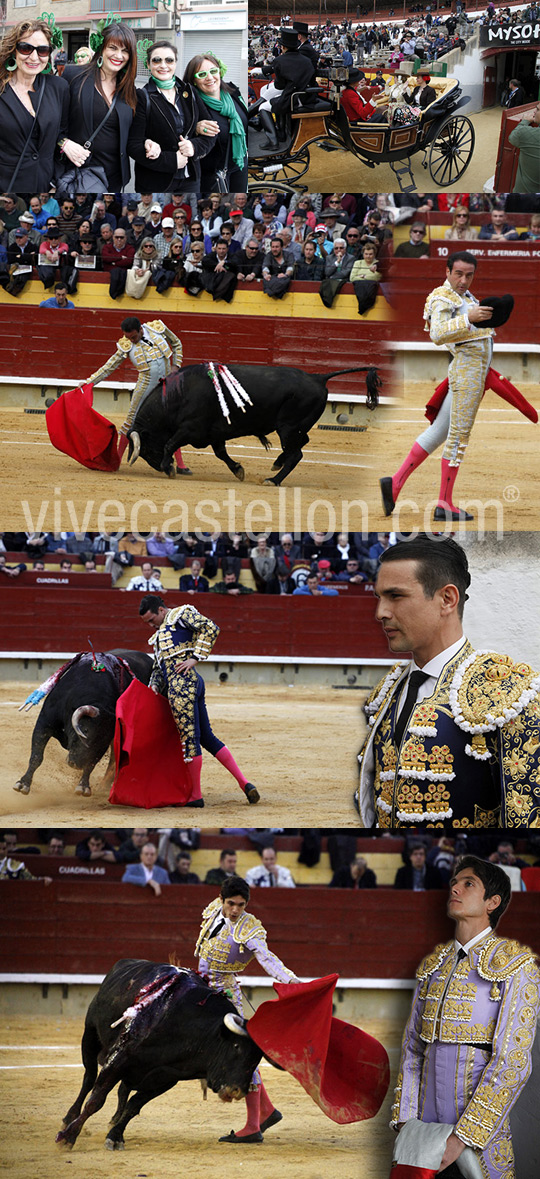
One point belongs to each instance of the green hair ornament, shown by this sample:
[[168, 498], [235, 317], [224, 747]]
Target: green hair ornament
[[57, 40], [97, 38], [221, 64]]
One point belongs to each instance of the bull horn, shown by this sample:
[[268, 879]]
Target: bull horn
[[235, 1024], [85, 710], [134, 438]]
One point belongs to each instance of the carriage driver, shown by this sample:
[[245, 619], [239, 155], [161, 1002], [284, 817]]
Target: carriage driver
[[150, 347], [229, 940]]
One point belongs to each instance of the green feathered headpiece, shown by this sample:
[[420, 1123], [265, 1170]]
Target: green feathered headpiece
[[221, 64], [56, 33], [97, 38]]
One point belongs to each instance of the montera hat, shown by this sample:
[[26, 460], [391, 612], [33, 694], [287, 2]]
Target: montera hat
[[289, 38], [503, 306]]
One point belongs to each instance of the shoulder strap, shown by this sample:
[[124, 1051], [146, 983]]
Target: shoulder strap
[[91, 137], [11, 185]]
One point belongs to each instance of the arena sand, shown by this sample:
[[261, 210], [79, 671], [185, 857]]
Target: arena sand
[[177, 1133], [298, 746]]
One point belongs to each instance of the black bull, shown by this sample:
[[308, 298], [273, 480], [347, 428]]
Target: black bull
[[183, 410], [80, 712], [179, 1036]]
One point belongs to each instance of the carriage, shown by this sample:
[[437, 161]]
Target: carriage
[[445, 137]]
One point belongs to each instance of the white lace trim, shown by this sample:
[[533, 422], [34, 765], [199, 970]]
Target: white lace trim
[[390, 679], [477, 756], [423, 730]]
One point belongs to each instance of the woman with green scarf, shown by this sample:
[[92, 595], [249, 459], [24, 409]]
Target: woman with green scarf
[[225, 167]]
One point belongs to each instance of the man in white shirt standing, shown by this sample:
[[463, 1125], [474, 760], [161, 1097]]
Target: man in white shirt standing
[[146, 581], [270, 874], [453, 735], [466, 1052]]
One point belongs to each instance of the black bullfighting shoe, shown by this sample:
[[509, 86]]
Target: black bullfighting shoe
[[232, 1137], [183, 471], [271, 1120], [251, 793], [196, 802], [450, 514], [387, 495]]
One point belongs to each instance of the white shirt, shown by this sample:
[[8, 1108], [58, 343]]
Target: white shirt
[[469, 945], [262, 878], [433, 670], [148, 585]]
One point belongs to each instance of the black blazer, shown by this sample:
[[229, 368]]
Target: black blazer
[[36, 171], [422, 96], [81, 115], [154, 120], [217, 157]]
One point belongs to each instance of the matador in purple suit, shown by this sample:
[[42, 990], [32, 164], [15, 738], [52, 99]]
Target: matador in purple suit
[[466, 1051], [229, 940]]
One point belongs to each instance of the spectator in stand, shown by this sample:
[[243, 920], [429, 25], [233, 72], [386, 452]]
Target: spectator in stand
[[242, 227], [443, 856], [182, 873], [316, 545], [263, 564], [417, 246], [230, 585], [130, 850], [66, 567], [157, 545], [533, 232], [197, 236], [248, 262], [147, 872], [116, 259], [383, 542], [299, 226], [22, 257], [100, 217], [498, 230], [104, 238], [95, 847], [55, 844], [461, 229], [506, 855], [270, 874], [145, 581], [354, 875], [227, 867], [283, 582], [416, 874], [146, 203], [153, 221], [26, 221], [134, 545], [278, 270], [313, 589], [68, 218], [60, 299], [287, 551], [136, 232], [38, 213], [352, 573], [210, 221], [310, 268], [90, 566], [53, 254], [193, 583], [11, 570]]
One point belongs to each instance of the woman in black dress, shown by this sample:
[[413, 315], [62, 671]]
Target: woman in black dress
[[422, 94], [33, 107], [226, 107], [163, 139], [106, 85]]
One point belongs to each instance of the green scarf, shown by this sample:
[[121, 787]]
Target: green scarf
[[226, 105]]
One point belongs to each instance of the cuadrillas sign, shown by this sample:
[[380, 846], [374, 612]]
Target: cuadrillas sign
[[513, 36]]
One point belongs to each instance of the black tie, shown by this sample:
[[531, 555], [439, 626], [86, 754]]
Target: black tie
[[415, 680], [217, 928], [461, 954]]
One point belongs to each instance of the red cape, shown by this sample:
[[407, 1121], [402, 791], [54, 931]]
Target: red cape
[[500, 385], [344, 1070], [81, 432], [150, 767], [404, 1171]]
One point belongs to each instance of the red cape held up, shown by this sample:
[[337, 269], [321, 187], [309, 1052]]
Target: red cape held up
[[150, 767], [344, 1070], [80, 431]]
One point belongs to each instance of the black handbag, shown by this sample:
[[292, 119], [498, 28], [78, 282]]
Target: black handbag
[[87, 178]]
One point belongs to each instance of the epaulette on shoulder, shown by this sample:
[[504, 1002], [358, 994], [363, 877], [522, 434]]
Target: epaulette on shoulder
[[212, 908], [502, 957], [156, 325], [490, 690], [248, 926], [124, 345], [432, 961]]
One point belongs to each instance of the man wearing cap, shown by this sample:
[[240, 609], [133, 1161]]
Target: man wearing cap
[[53, 253], [136, 232], [336, 222], [26, 221], [162, 241], [306, 48], [149, 347], [323, 242], [22, 252], [243, 227]]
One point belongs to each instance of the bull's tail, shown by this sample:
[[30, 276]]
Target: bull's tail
[[264, 441], [373, 381]]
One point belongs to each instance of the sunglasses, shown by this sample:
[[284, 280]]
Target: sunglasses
[[202, 74], [162, 61], [26, 49]]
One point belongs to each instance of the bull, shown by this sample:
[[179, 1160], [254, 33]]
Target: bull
[[184, 410], [80, 712], [179, 1030]]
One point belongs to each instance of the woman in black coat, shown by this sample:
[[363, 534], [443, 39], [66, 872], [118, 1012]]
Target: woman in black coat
[[422, 94], [110, 76], [163, 140], [23, 86], [225, 106]]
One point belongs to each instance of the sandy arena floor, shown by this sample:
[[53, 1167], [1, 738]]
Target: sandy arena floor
[[256, 721], [177, 1133], [335, 487]]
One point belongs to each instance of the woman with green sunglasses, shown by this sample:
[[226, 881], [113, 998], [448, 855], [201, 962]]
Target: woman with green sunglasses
[[224, 169]]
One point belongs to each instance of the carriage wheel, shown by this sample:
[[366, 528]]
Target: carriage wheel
[[287, 171], [256, 187], [451, 150]]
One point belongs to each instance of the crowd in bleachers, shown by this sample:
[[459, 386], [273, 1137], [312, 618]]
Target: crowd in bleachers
[[314, 563], [272, 857]]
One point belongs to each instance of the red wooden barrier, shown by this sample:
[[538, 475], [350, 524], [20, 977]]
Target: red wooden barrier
[[261, 625], [413, 279], [75, 927]]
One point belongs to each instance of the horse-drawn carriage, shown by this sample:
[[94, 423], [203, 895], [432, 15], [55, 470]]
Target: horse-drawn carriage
[[316, 118]]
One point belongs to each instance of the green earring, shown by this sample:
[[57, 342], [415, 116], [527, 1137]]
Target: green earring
[[11, 67], [99, 62]]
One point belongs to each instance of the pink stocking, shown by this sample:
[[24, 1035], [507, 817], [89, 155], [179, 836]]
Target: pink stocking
[[194, 774], [226, 758], [413, 460], [253, 1110], [448, 478], [266, 1105], [179, 460]]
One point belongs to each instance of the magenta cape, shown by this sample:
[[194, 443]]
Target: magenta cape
[[344, 1070], [81, 432], [150, 768]]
